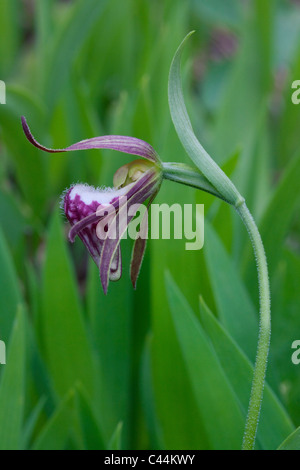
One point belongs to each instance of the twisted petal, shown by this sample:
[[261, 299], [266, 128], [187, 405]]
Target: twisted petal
[[120, 143], [148, 186], [139, 246]]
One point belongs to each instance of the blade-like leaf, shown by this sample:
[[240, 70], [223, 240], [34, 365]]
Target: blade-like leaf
[[30, 164], [68, 40], [67, 351], [12, 388], [115, 442], [111, 323], [59, 428], [91, 433], [217, 402], [278, 213], [9, 291], [235, 308], [148, 402], [31, 423], [292, 442], [9, 35], [274, 423]]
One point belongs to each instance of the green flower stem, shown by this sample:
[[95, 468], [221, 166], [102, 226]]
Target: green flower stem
[[264, 330], [184, 174]]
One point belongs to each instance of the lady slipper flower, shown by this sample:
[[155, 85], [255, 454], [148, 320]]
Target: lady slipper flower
[[100, 217]]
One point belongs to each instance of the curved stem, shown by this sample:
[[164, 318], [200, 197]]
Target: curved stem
[[264, 330]]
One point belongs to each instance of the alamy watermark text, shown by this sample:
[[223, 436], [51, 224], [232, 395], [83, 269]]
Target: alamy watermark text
[[175, 221]]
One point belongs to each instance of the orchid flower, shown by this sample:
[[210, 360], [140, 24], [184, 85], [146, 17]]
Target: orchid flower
[[88, 208]]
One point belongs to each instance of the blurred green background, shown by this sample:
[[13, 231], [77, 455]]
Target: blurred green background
[[167, 366]]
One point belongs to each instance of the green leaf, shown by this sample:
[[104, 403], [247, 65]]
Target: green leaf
[[235, 308], [274, 421], [91, 433], [29, 163], [10, 295], [76, 113], [67, 43], [292, 442], [9, 35], [285, 324], [278, 214], [32, 422], [285, 135], [12, 388], [59, 428], [248, 86], [66, 347], [111, 328], [116, 439], [44, 29], [13, 220], [148, 399], [180, 422], [217, 402]]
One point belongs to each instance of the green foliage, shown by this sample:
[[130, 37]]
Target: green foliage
[[13, 386], [147, 369], [61, 320], [292, 442], [217, 403]]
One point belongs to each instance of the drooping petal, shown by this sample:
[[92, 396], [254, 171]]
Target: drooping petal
[[125, 144], [148, 185], [139, 246]]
